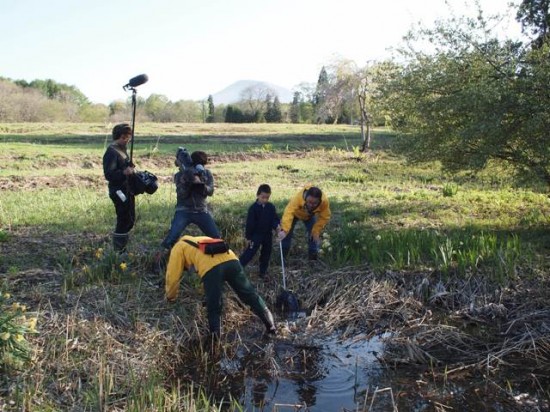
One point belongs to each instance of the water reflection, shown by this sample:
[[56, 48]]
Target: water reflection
[[327, 373], [259, 391], [332, 378], [306, 394], [320, 373]]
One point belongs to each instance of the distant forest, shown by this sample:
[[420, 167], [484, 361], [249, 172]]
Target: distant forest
[[331, 100], [50, 101]]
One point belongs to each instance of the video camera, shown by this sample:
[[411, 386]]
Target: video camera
[[144, 182], [184, 162]]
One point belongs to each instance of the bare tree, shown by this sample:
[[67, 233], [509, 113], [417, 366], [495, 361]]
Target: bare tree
[[366, 119], [253, 98], [369, 85], [337, 94]]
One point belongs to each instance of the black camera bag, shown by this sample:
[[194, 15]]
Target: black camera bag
[[144, 182]]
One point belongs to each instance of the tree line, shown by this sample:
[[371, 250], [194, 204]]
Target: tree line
[[50, 101]]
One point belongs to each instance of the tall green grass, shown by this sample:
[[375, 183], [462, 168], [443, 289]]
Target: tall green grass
[[459, 252], [16, 325]]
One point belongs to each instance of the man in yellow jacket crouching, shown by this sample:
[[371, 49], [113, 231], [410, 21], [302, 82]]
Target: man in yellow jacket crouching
[[214, 270], [311, 206]]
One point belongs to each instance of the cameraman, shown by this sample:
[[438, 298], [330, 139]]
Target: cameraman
[[193, 185], [118, 171]]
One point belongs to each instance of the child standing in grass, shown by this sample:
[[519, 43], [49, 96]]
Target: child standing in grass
[[260, 221]]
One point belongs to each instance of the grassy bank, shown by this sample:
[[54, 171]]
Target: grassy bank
[[409, 237]]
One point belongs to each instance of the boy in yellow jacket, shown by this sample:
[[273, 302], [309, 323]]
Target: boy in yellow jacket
[[214, 270], [311, 206]]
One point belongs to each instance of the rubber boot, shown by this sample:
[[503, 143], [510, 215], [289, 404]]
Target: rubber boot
[[215, 326], [120, 240], [267, 319]]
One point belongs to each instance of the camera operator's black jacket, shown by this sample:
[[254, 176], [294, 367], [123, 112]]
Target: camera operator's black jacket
[[115, 160], [192, 196]]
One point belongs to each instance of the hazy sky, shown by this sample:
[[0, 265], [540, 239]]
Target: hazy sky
[[192, 48]]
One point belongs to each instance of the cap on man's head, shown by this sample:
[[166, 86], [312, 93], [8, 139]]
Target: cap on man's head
[[120, 130]]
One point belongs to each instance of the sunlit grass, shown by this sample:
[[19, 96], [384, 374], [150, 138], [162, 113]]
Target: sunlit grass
[[62, 210], [386, 214], [163, 138], [379, 200], [460, 252]]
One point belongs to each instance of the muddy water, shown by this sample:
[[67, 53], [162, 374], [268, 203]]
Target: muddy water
[[327, 373]]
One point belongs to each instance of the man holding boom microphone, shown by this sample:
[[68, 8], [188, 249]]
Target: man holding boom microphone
[[118, 171]]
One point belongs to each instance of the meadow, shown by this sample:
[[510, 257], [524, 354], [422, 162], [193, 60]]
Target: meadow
[[86, 331]]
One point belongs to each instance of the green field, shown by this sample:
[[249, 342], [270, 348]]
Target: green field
[[393, 218]]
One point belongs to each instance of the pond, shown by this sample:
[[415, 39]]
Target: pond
[[297, 372], [327, 374]]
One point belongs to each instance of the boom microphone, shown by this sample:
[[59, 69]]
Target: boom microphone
[[136, 81]]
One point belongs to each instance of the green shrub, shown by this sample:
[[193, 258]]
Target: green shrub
[[450, 189], [14, 326], [4, 236]]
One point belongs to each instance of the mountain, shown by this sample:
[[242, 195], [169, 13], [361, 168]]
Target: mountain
[[232, 93]]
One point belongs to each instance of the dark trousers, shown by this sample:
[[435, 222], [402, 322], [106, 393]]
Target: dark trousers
[[125, 212], [182, 219], [125, 219], [265, 245], [312, 246], [231, 272]]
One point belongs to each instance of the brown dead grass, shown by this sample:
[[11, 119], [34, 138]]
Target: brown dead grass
[[118, 333], [81, 165]]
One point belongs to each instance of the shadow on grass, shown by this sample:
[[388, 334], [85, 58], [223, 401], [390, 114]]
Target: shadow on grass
[[50, 244], [215, 142]]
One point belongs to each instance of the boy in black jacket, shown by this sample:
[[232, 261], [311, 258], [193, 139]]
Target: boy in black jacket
[[261, 220]]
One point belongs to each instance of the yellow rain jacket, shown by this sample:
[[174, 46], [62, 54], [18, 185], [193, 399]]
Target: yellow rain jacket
[[296, 208], [183, 256]]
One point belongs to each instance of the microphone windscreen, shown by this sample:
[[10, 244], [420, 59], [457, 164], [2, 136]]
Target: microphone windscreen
[[138, 80]]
